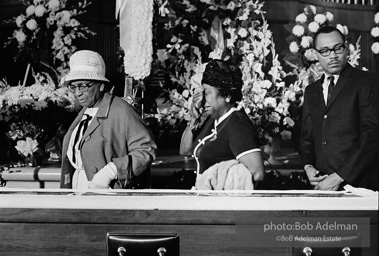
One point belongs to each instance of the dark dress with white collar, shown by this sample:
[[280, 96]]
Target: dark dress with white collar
[[231, 137]]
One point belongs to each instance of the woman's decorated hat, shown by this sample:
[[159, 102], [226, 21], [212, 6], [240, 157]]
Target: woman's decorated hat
[[86, 65]]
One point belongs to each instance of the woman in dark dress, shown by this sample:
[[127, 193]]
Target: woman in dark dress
[[227, 133]]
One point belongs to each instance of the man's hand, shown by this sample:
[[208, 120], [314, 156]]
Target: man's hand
[[332, 182], [312, 174]]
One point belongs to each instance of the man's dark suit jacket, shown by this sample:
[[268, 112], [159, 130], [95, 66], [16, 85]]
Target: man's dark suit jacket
[[342, 137]]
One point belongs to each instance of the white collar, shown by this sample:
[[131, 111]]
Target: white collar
[[335, 78], [91, 111], [224, 116]]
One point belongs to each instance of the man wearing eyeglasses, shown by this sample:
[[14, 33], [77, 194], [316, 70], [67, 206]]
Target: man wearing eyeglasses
[[339, 140], [107, 144]]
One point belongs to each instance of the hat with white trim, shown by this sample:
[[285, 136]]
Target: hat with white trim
[[86, 65]]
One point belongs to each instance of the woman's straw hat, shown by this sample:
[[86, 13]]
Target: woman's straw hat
[[86, 65]]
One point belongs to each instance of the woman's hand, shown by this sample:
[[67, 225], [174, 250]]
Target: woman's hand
[[197, 106], [254, 163], [103, 178], [197, 111], [93, 185]]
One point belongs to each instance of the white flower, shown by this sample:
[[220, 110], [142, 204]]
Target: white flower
[[320, 18], [53, 5], [351, 48], [19, 20], [274, 117], [270, 102], [207, 1], [185, 93], [329, 16], [245, 14], [301, 18], [74, 23], [66, 15], [27, 147], [227, 21], [67, 40], [31, 24], [294, 48], [280, 84], [233, 37], [288, 121], [310, 9], [242, 32], [375, 31], [313, 27], [343, 29], [231, 6], [20, 36], [310, 55], [376, 18], [289, 95], [40, 10], [266, 84], [375, 48], [298, 30], [185, 23], [30, 10], [306, 41]]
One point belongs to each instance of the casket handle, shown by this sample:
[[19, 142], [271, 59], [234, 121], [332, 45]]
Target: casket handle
[[121, 251], [161, 251], [346, 251], [307, 251]]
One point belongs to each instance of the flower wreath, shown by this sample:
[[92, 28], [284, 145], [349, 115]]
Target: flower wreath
[[375, 35], [302, 56], [57, 17]]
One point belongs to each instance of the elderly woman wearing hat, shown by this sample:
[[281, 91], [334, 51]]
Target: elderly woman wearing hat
[[107, 143], [226, 148]]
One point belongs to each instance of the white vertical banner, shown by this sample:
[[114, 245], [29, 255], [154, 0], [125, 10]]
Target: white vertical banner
[[136, 35]]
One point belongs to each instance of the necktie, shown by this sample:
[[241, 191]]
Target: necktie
[[330, 87], [81, 129]]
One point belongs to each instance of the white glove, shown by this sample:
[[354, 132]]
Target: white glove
[[103, 177]]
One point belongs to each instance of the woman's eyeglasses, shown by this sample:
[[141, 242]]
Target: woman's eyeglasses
[[338, 49], [82, 86]]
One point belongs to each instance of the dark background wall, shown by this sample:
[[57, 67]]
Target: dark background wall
[[280, 15]]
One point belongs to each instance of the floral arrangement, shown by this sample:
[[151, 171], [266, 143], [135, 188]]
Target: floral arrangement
[[375, 35], [237, 32], [185, 55], [49, 16], [266, 99], [27, 147], [177, 115], [302, 56], [34, 112], [136, 37]]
